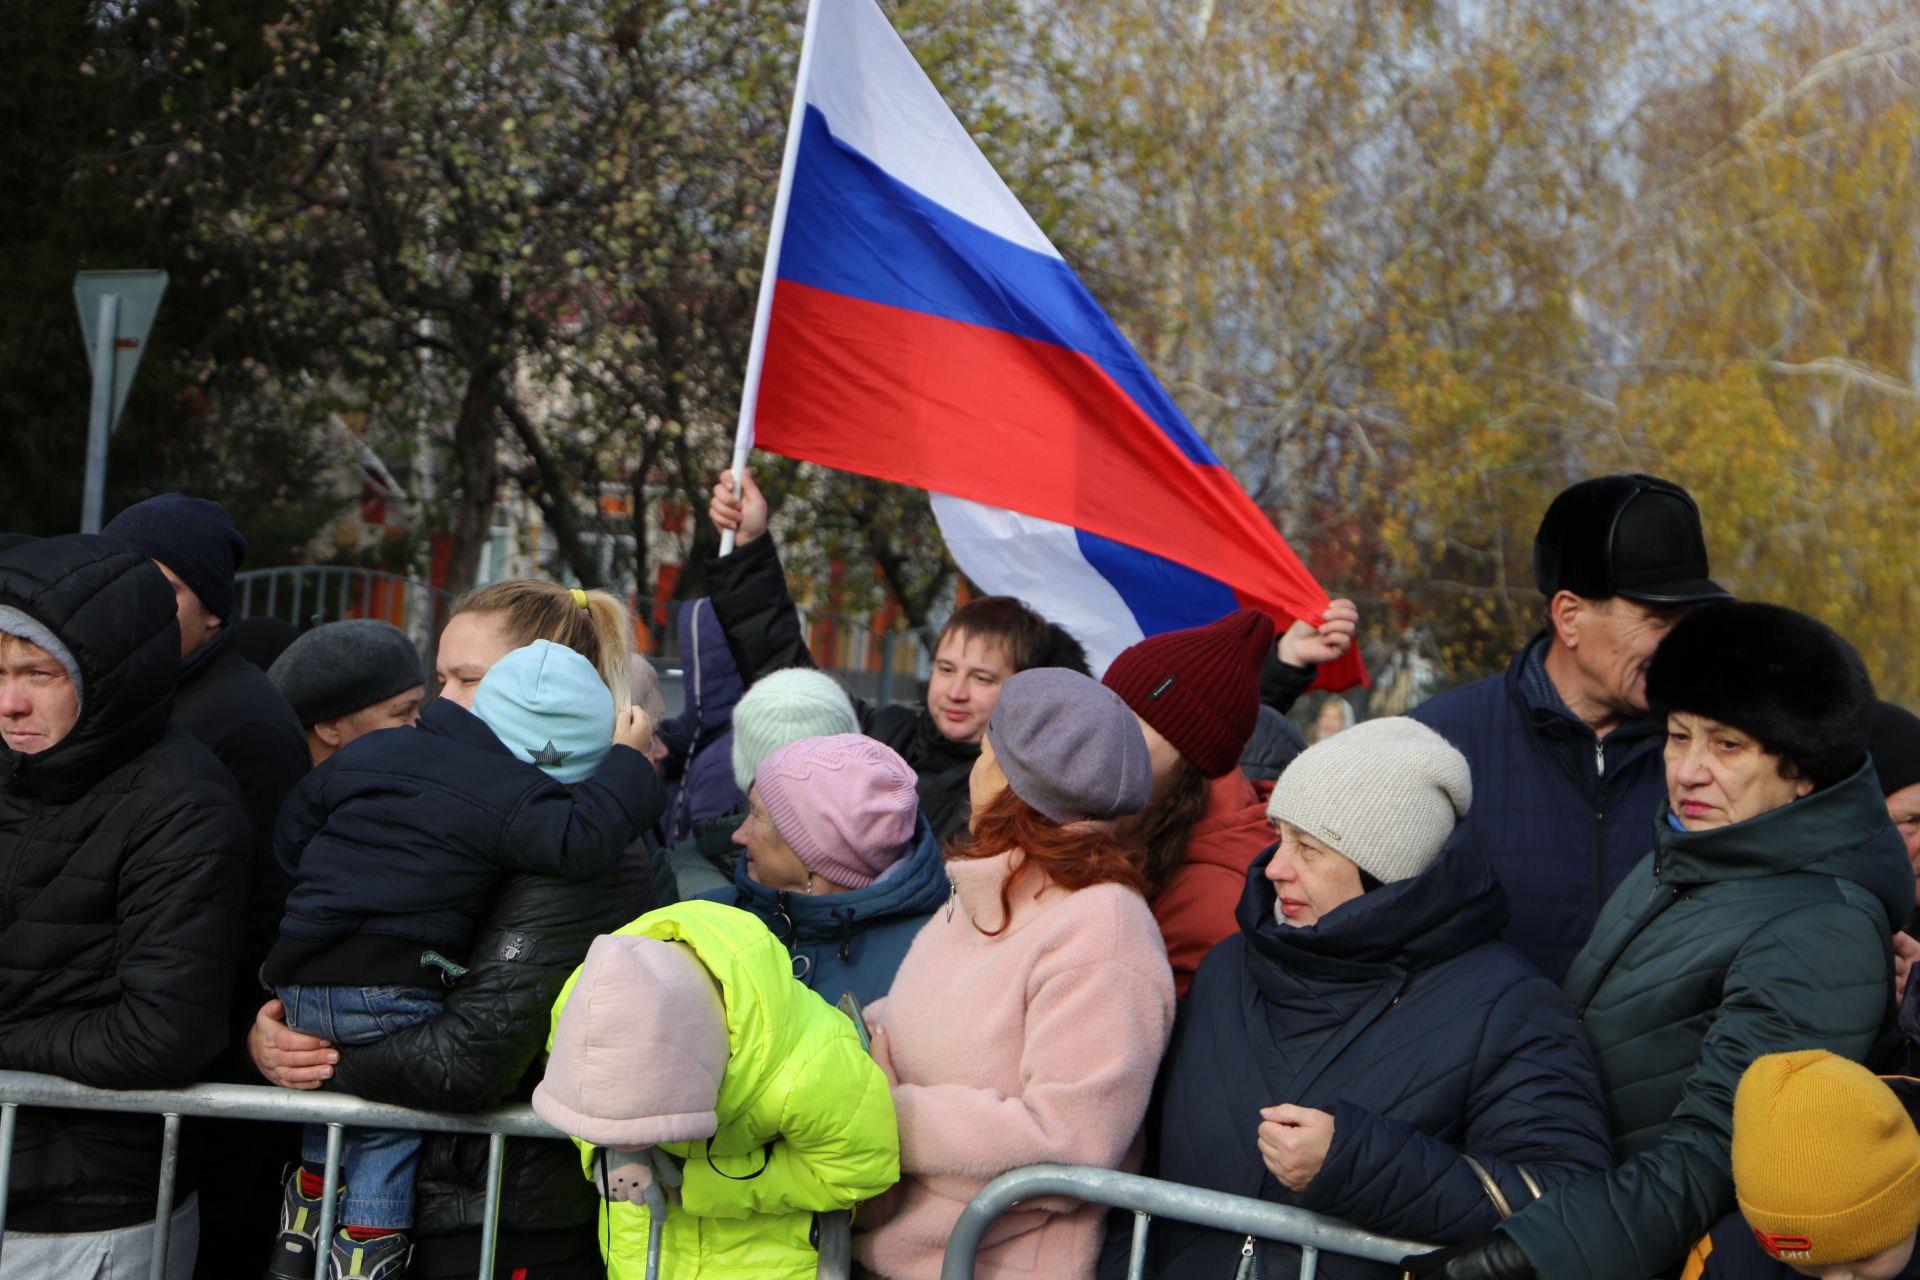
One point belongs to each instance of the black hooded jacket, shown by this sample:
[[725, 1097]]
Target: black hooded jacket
[[123, 878]]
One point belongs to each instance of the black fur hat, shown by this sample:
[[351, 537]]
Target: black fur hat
[[1785, 679]]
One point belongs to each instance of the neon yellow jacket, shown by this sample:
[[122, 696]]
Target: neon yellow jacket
[[806, 1118]]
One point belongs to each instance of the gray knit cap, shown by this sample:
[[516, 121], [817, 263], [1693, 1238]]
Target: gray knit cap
[[784, 707], [1070, 747], [337, 669], [1386, 793]]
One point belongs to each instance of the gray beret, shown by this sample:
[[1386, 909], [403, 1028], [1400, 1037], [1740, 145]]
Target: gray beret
[[339, 668], [1070, 747]]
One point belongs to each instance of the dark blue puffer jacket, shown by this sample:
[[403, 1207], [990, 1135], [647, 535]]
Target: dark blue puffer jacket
[[1559, 814], [699, 763], [1401, 1015], [852, 941], [404, 832]]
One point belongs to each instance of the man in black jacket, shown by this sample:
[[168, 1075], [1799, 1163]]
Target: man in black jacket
[[123, 877], [228, 703]]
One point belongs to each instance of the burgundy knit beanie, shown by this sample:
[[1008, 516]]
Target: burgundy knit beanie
[[1199, 688]]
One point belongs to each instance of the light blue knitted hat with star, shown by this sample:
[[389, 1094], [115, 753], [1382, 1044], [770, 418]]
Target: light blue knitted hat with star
[[550, 708]]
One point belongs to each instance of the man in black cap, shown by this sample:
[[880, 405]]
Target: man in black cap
[[346, 679], [228, 704], [1567, 772]]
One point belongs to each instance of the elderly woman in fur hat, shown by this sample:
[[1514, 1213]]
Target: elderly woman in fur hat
[[1760, 923]]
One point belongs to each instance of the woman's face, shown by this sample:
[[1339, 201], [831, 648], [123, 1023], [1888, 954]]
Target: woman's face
[[469, 646], [1330, 721], [1717, 775], [987, 780], [1162, 755], [1309, 878], [771, 861]]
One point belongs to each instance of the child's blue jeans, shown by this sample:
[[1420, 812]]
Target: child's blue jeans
[[379, 1163]]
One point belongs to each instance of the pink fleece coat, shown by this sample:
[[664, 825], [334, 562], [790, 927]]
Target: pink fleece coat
[[1037, 1044]]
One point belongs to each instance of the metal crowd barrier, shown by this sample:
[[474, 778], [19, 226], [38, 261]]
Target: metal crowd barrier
[[337, 1111], [1148, 1198]]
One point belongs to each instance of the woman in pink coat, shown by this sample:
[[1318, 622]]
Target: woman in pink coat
[[1027, 1022]]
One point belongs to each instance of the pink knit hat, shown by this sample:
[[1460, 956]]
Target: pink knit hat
[[845, 805], [640, 1049]]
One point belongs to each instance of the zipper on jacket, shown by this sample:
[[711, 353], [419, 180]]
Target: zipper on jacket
[[1599, 826], [1249, 1268]]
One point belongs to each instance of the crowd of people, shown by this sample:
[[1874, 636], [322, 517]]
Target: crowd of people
[[1582, 971]]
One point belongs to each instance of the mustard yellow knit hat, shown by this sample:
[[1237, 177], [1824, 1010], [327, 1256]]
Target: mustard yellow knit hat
[[1826, 1164]]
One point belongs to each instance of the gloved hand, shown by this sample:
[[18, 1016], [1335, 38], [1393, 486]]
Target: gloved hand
[[1494, 1257], [623, 1175]]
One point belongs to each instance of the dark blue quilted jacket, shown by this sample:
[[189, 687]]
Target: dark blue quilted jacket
[[1424, 1036], [852, 941], [404, 833], [1559, 814]]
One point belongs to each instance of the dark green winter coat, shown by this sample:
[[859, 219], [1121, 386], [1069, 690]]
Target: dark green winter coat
[[1765, 936]]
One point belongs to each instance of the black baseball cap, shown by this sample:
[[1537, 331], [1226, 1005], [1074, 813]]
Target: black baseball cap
[[1635, 536]]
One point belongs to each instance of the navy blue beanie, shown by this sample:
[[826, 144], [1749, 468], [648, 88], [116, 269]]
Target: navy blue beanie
[[191, 536]]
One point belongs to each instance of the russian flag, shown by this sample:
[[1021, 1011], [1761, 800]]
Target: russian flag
[[921, 328]]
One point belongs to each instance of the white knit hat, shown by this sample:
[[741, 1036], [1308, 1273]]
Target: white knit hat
[[1386, 793], [784, 707]]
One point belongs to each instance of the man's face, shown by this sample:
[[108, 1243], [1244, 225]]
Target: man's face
[[1616, 640], [38, 703], [968, 672], [196, 624], [1903, 806]]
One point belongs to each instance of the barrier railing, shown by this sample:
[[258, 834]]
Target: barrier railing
[[1149, 1198], [338, 1112], [306, 595]]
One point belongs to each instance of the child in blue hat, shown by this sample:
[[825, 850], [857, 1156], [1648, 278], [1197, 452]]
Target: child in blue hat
[[394, 845]]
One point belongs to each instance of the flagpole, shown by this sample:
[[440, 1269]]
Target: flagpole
[[769, 274]]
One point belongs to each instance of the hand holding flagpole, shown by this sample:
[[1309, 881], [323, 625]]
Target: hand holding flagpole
[[770, 273]]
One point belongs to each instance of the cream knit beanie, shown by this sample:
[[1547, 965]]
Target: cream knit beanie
[[784, 707], [1386, 793]]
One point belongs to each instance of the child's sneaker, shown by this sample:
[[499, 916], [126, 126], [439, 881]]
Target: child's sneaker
[[381, 1258], [299, 1232]]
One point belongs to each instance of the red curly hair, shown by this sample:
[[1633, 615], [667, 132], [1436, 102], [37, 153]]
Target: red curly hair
[[1077, 856]]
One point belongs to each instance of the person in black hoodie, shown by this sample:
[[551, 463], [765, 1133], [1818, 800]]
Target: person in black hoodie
[[123, 878]]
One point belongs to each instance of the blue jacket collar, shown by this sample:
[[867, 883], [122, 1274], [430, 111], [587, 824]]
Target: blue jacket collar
[[1453, 906], [916, 888]]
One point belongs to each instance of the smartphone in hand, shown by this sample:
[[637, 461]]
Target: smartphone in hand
[[849, 1004]]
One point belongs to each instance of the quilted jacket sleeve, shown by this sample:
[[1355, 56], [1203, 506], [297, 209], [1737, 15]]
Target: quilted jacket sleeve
[[1282, 683], [838, 1144], [756, 611], [587, 832], [1652, 1209], [1534, 1102], [495, 1020], [182, 895]]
